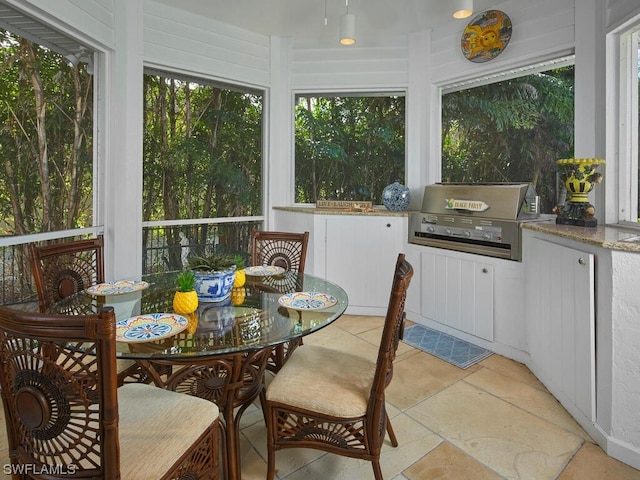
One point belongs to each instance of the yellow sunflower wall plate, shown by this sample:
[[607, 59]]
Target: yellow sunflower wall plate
[[486, 36]]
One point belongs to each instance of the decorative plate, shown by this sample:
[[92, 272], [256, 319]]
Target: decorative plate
[[153, 326], [307, 300], [116, 288], [486, 36], [263, 271]]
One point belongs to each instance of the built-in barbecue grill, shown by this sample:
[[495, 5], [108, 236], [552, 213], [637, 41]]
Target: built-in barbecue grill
[[480, 218]]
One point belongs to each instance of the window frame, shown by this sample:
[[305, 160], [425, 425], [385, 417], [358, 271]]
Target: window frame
[[623, 115], [329, 93], [496, 77], [239, 87]]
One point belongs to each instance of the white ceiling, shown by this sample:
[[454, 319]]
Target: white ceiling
[[304, 20]]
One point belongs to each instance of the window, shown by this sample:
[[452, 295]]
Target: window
[[202, 168], [629, 125], [202, 150], [46, 143], [511, 130], [348, 147]]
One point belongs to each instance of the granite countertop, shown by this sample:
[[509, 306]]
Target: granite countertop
[[313, 210], [614, 237]]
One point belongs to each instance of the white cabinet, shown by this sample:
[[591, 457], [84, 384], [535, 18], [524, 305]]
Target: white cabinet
[[561, 322], [458, 293], [361, 253]]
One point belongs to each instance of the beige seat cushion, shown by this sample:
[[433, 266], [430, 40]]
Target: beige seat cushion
[[324, 380], [156, 427]]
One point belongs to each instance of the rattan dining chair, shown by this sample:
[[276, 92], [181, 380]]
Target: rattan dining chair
[[334, 401], [287, 250], [66, 418], [64, 268]]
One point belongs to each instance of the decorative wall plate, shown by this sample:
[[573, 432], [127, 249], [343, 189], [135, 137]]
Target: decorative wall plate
[[116, 288], [144, 328], [307, 300], [486, 36]]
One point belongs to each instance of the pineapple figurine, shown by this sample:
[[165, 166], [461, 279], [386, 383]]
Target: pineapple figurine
[[185, 300]]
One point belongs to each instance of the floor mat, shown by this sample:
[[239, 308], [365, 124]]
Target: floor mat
[[446, 347]]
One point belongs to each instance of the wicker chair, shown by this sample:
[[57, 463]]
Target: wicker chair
[[66, 418], [315, 402], [289, 251], [64, 268]]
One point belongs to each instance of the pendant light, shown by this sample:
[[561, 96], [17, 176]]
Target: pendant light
[[462, 8], [347, 27]]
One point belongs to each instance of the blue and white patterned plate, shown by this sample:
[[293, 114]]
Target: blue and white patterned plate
[[153, 326], [263, 270], [307, 300]]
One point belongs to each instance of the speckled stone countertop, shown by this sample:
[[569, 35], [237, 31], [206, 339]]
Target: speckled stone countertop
[[312, 210], [606, 236]]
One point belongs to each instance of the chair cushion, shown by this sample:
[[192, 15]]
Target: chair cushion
[[324, 380], [156, 427]]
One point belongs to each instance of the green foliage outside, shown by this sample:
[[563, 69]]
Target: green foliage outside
[[202, 151], [510, 131], [46, 145], [348, 148]]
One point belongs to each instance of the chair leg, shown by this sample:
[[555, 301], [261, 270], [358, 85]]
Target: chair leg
[[377, 471], [271, 459], [392, 435]]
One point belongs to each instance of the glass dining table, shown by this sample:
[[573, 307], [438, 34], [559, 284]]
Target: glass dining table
[[221, 352]]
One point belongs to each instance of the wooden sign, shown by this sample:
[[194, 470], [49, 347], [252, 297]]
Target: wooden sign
[[344, 205]]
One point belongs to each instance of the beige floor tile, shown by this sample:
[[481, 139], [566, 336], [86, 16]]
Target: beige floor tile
[[414, 442], [591, 463], [523, 395], [512, 369], [505, 438], [357, 324], [447, 462], [419, 376]]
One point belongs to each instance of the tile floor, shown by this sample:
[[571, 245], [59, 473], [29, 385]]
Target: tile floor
[[492, 421]]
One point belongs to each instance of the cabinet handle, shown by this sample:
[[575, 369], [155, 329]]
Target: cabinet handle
[[485, 270], [388, 225], [582, 261]]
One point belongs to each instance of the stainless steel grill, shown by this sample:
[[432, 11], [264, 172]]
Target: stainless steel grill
[[480, 218]]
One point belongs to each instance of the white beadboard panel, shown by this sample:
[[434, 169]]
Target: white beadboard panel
[[358, 68], [179, 39], [458, 293], [541, 30], [561, 323], [620, 11], [95, 18]]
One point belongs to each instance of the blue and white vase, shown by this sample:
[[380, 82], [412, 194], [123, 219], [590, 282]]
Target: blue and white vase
[[396, 197]]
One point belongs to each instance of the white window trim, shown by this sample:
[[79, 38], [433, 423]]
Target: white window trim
[[622, 148]]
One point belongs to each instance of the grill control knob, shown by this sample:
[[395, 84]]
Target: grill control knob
[[430, 229], [447, 231], [467, 233], [486, 236]]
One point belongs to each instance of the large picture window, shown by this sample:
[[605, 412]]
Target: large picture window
[[511, 130], [202, 168], [348, 147], [46, 140]]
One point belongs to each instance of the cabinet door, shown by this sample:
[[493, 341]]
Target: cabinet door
[[361, 256], [458, 293], [561, 323]]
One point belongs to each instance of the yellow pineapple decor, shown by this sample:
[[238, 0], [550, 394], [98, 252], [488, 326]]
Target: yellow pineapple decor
[[239, 292], [185, 300]]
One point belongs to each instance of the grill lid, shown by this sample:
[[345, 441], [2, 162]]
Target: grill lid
[[507, 201]]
